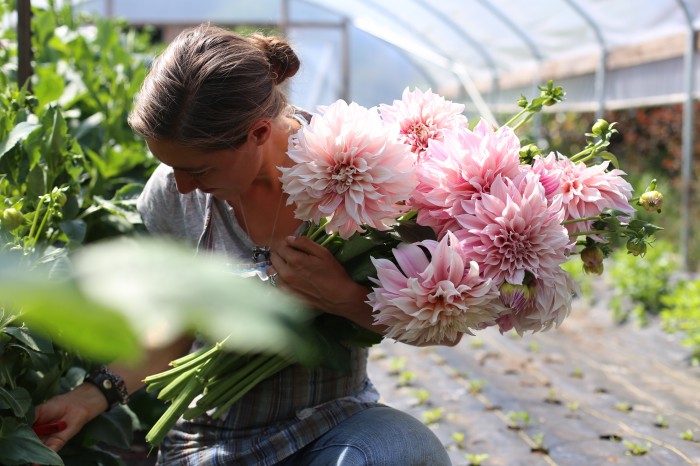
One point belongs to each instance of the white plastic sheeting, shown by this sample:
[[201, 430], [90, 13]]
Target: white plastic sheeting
[[470, 50]]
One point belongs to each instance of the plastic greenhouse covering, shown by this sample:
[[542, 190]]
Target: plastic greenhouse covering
[[484, 52]]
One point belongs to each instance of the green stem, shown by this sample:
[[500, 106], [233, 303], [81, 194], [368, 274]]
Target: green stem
[[173, 413], [408, 216], [516, 116], [201, 355], [523, 121], [172, 388], [35, 239], [329, 239], [32, 229], [582, 219], [274, 365], [221, 392], [591, 232], [321, 229], [589, 150]]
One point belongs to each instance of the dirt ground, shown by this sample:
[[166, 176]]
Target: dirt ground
[[589, 393]]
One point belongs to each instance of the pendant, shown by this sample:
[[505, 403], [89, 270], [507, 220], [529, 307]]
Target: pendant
[[261, 254]]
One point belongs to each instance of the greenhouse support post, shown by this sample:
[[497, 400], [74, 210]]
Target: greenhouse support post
[[688, 136], [24, 42]]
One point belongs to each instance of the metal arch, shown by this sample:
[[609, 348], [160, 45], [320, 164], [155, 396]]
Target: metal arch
[[602, 65], [457, 68], [346, 20], [481, 50], [512, 25], [688, 137], [529, 42]]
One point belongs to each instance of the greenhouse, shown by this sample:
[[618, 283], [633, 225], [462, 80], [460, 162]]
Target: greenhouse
[[490, 204]]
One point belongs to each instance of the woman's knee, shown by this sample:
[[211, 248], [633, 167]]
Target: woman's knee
[[382, 436]]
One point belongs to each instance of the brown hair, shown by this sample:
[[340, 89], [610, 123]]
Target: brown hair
[[210, 85]]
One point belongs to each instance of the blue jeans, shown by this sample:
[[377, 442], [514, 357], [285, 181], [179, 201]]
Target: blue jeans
[[378, 436]]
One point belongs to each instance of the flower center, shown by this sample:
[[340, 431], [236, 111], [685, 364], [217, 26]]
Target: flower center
[[343, 175]]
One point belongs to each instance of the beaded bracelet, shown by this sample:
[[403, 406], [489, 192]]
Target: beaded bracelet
[[110, 385]]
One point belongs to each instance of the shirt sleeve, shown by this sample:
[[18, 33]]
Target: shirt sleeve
[[165, 211]]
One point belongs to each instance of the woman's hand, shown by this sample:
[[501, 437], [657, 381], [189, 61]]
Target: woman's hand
[[310, 272], [76, 408]]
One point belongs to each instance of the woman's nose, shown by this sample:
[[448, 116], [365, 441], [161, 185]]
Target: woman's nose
[[185, 182]]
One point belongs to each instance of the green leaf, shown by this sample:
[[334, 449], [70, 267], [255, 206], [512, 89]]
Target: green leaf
[[18, 133], [609, 156], [164, 289], [18, 400], [355, 246], [23, 335], [49, 85], [113, 428], [413, 232], [75, 230], [19, 445], [59, 309]]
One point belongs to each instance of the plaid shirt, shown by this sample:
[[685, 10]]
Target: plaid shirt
[[284, 412]]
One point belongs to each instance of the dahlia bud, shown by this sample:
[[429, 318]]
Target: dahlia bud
[[516, 297], [651, 201], [600, 127], [636, 247], [11, 218], [592, 257]]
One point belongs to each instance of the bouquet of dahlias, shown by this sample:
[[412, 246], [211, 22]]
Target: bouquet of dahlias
[[453, 229], [464, 228]]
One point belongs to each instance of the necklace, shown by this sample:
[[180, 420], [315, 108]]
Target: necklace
[[261, 253]]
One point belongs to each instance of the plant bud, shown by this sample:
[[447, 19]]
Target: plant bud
[[61, 199], [516, 297], [592, 257], [600, 127], [636, 247], [12, 218], [652, 201]]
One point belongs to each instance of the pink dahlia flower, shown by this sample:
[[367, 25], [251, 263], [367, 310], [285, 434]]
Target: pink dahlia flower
[[348, 171], [461, 169], [586, 191], [420, 117], [514, 230], [550, 305], [431, 300]]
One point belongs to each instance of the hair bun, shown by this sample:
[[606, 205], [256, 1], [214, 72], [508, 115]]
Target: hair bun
[[284, 62]]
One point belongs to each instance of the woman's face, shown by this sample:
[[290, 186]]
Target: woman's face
[[223, 173]]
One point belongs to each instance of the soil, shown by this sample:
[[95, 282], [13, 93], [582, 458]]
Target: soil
[[588, 393]]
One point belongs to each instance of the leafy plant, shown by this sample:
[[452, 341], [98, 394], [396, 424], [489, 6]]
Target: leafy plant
[[70, 171], [682, 313], [433, 416], [476, 459], [637, 449], [519, 419], [638, 285], [406, 379], [458, 438], [539, 445]]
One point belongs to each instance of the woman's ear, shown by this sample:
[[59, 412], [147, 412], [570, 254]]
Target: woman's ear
[[260, 132]]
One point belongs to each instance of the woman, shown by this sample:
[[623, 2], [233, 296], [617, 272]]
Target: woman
[[213, 112]]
